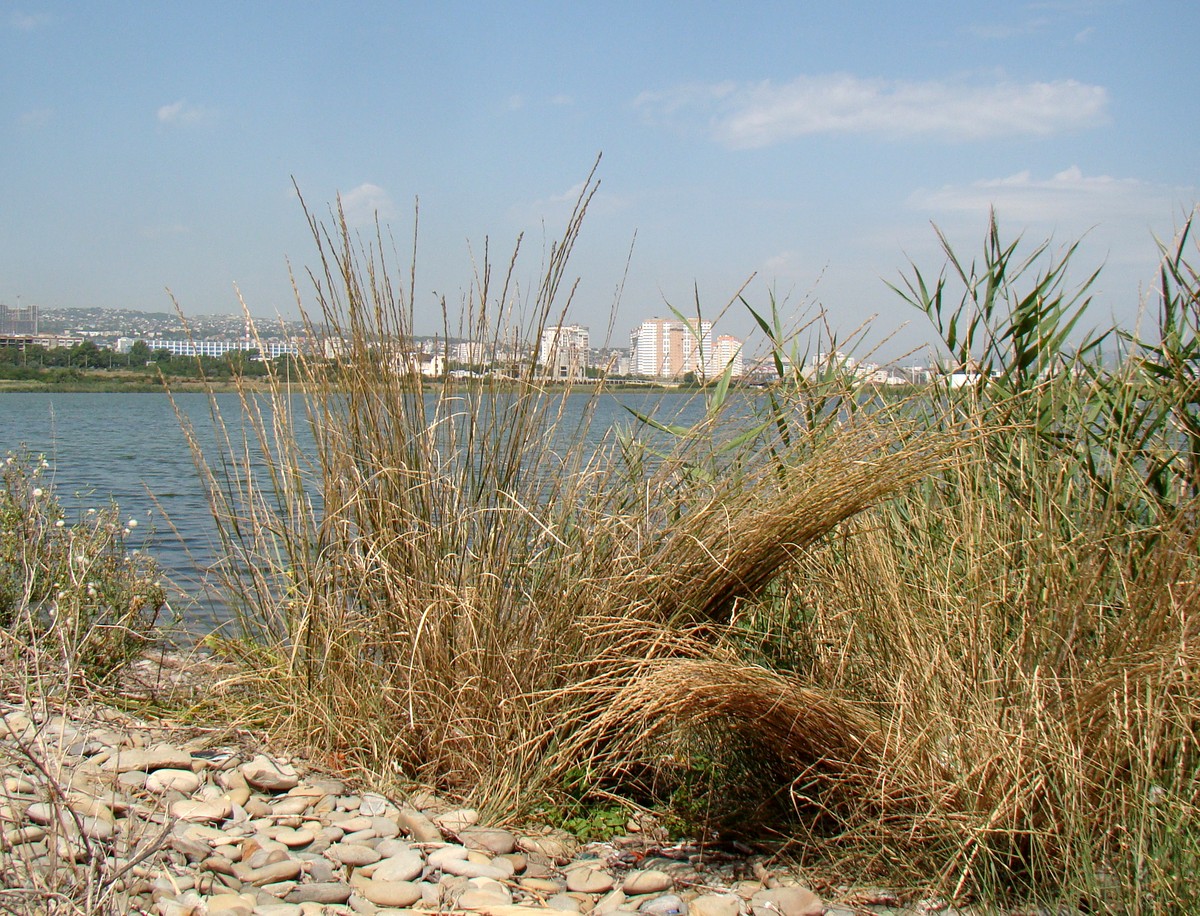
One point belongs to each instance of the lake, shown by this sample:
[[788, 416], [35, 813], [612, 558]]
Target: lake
[[129, 448]]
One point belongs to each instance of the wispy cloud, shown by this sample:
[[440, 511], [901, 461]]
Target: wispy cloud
[[555, 207], [1067, 197], [181, 113], [164, 231], [362, 205], [744, 116], [37, 118], [1002, 31], [27, 22]]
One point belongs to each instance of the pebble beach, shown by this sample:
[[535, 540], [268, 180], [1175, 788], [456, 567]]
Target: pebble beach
[[178, 820]]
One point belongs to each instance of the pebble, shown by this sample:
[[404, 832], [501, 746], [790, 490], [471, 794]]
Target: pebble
[[353, 855], [482, 893], [587, 880], [390, 893], [666, 905], [786, 901], [649, 881], [488, 839], [264, 773], [418, 825], [255, 835], [715, 905], [169, 778], [403, 866]]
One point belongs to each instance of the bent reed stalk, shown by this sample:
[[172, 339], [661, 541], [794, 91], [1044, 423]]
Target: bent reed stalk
[[946, 641]]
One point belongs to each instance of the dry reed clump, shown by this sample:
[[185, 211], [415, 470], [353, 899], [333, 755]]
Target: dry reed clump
[[927, 643], [448, 585], [1030, 657]]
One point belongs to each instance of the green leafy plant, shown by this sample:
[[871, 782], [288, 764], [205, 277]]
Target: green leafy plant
[[71, 591]]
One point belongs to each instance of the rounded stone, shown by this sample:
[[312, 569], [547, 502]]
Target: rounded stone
[[482, 893], [438, 857], [390, 893], [169, 778], [786, 901], [467, 869], [230, 905], [159, 757], [418, 826], [291, 804], [331, 892], [293, 839], [133, 779], [491, 840], [97, 828], [650, 881], [264, 773], [372, 805], [205, 812], [284, 870], [457, 820], [666, 905], [404, 866], [715, 905], [353, 855], [587, 880]]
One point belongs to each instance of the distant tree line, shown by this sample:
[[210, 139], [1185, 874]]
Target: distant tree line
[[37, 363]]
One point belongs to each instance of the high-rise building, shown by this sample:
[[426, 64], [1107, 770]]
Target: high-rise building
[[669, 348], [727, 349], [19, 320], [564, 349]]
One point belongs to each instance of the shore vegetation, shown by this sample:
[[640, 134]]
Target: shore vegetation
[[943, 642]]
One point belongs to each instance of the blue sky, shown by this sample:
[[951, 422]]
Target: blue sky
[[148, 146]]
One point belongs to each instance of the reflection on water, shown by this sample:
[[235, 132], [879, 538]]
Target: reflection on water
[[129, 448]]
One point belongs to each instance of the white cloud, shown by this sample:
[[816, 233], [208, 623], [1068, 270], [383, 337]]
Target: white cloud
[[27, 22], [557, 207], [183, 114], [164, 230], [363, 204], [1069, 196], [1005, 31], [745, 116], [38, 117]]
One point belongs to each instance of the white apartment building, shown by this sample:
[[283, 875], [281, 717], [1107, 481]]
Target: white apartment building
[[268, 349], [471, 353], [669, 348], [563, 352]]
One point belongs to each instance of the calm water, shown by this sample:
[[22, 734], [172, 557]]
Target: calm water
[[130, 449]]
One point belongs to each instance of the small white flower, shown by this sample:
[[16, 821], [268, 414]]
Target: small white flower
[[37, 492], [91, 511], [59, 523], [132, 523]]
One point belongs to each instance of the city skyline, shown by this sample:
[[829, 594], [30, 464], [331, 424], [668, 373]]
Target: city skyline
[[805, 150]]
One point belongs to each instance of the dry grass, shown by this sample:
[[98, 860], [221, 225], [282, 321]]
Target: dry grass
[[924, 647]]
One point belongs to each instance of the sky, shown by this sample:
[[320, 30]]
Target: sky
[[801, 152]]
